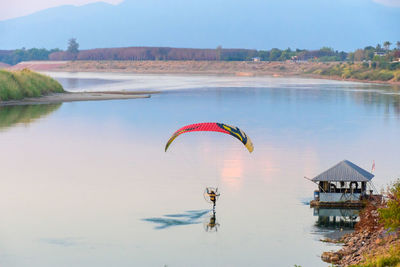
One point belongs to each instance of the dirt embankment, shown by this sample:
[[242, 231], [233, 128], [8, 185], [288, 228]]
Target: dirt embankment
[[240, 68], [4, 65], [236, 68]]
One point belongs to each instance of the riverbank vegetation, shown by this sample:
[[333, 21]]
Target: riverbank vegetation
[[25, 83], [325, 54], [369, 64], [13, 57], [367, 71], [376, 239]]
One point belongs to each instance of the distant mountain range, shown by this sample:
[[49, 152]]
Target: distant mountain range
[[253, 24]]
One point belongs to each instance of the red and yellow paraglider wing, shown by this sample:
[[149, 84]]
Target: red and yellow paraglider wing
[[213, 127]]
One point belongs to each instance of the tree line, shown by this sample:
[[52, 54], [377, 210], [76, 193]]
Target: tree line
[[13, 57], [379, 53]]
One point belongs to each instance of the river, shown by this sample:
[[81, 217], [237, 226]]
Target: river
[[89, 183]]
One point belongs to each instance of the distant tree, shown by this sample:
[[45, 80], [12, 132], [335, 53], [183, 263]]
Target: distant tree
[[274, 54], [369, 52], [342, 55], [218, 52], [378, 48], [350, 57], [264, 55], [387, 45], [398, 45], [286, 54], [73, 46], [326, 50], [359, 55]]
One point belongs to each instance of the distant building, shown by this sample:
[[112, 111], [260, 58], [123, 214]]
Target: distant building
[[381, 54]]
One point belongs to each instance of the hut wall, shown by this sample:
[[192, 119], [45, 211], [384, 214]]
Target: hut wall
[[338, 197]]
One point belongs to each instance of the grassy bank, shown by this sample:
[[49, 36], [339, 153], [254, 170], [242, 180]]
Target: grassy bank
[[387, 248], [376, 239], [25, 83], [361, 71]]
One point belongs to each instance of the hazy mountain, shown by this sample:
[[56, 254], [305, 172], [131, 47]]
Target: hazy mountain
[[341, 24]]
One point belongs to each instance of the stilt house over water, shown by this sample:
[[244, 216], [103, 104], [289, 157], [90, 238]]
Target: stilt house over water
[[343, 183]]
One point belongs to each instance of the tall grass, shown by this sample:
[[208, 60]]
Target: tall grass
[[25, 83], [388, 258], [360, 72]]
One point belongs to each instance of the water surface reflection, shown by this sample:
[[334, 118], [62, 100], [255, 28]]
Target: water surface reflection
[[24, 114], [93, 170], [186, 218]]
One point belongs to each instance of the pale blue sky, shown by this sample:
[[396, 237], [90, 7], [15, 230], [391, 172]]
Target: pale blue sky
[[254, 24]]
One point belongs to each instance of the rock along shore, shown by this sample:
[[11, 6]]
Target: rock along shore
[[370, 239]]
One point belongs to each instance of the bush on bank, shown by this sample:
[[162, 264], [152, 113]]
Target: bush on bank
[[360, 72], [16, 85]]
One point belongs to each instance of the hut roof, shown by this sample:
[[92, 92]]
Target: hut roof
[[345, 171]]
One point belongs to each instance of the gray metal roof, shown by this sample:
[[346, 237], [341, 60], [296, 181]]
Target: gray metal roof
[[345, 171]]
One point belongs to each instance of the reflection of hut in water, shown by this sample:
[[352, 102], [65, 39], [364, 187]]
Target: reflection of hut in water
[[343, 185], [336, 218]]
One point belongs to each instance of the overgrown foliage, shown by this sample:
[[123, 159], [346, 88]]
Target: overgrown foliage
[[13, 57], [387, 258], [26, 83], [390, 215], [382, 57], [362, 71], [387, 252], [73, 46]]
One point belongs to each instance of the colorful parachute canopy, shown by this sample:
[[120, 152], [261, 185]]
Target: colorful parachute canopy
[[213, 127]]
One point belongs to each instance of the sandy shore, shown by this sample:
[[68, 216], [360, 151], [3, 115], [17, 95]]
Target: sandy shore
[[81, 96], [230, 68]]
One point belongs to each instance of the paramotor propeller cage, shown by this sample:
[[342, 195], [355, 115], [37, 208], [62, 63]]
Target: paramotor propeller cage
[[208, 194]]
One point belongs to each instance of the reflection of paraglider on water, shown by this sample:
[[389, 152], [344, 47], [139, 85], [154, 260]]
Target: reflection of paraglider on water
[[212, 225], [211, 195]]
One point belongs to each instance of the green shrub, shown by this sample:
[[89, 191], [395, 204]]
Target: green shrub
[[397, 76], [26, 83], [384, 75], [390, 216], [394, 66], [386, 259]]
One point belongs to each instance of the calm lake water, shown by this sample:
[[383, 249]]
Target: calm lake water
[[89, 183]]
